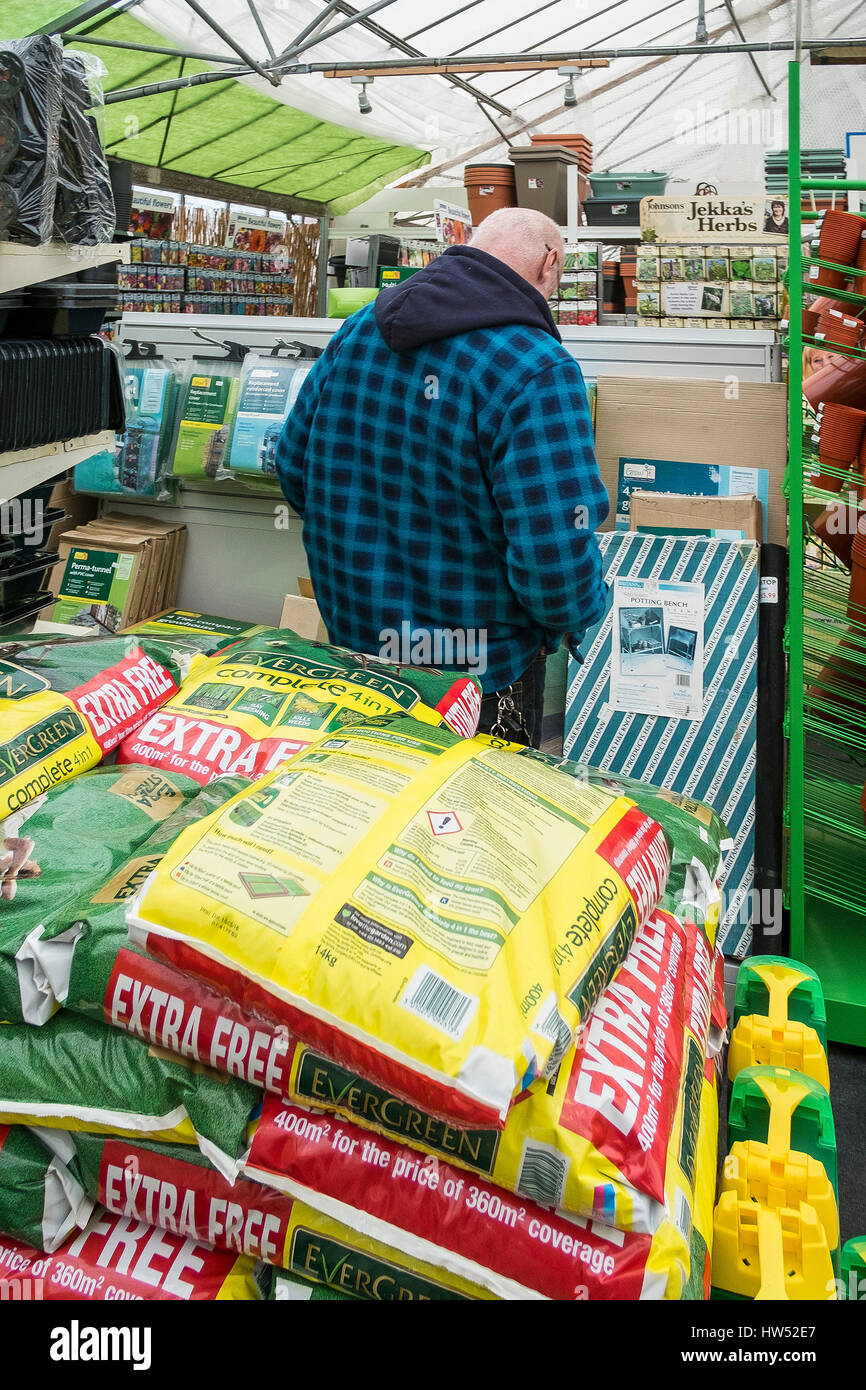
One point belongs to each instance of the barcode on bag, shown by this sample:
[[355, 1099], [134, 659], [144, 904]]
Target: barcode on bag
[[543, 1171], [684, 680], [430, 997], [682, 1214]]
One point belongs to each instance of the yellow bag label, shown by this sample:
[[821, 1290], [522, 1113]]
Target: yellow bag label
[[445, 904], [43, 740]]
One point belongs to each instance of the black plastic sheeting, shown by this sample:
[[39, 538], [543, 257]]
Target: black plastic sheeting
[[769, 929]]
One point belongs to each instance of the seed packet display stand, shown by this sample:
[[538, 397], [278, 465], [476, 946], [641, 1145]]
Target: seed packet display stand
[[826, 885]]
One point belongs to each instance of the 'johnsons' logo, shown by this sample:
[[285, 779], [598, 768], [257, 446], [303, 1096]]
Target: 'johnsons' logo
[[77, 1343], [444, 647]]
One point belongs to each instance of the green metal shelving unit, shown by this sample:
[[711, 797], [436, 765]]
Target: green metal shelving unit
[[826, 723]]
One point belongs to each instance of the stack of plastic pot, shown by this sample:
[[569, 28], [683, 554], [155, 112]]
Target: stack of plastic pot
[[776, 1224]]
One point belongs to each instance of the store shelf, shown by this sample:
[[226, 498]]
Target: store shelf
[[25, 468], [31, 265]]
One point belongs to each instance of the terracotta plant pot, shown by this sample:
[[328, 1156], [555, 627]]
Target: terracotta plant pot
[[840, 432], [810, 321], [822, 278], [839, 238], [842, 379], [842, 329], [489, 187], [832, 528], [857, 592]]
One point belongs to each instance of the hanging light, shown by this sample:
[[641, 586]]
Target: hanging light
[[569, 96], [364, 104]]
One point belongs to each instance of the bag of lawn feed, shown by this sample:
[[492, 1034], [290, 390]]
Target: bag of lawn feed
[[697, 839], [77, 1074], [94, 979], [267, 698], [475, 1230], [593, 1140], [180, 1191], [42, 1199], [67, 702], [435, 913], [66, 844], [117, 1257], [706, 1174]]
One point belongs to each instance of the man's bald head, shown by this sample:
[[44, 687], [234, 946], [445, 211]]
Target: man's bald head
[[527, 241]]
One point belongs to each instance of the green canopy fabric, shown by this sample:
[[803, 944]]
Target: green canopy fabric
[[224, 131]]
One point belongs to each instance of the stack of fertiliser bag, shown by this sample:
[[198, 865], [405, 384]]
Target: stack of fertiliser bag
[[74, 1090], [473, 985], [776, 1225], [466, 992]]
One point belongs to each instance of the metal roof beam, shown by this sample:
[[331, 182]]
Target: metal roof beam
[[296, 48], [148, 48], [259, 23], [405, 47], [80, 15], [752, 59], [232, 43]]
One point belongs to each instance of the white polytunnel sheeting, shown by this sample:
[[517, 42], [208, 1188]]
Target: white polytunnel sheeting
[[697, 118]]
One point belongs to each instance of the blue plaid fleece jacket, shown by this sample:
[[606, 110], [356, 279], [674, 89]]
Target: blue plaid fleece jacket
[[441, 455]]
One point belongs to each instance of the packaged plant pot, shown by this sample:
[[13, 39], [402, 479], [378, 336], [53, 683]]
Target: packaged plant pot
[[205, 415], [141, 463], [38, 111], [269, 387]]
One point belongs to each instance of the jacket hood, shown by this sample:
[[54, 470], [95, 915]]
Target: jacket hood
[[462, 290]]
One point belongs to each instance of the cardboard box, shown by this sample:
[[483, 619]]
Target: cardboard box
[[668, 513], [303, 617], [688, 421], [100, 579]]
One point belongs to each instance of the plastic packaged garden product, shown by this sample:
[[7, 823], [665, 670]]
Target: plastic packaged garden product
[[66, 844], [181, 1192], [595, 1139], [38, 110], [700, 1277], [458, 1222], [95, 978], [42, 1200], [435, 913], [84, 209], [269, 387], [205, 415], [76, 1074], [140, 463], [67, 702], [275, 694], [117, 1257]]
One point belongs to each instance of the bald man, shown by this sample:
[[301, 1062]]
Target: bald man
[[441, 456]]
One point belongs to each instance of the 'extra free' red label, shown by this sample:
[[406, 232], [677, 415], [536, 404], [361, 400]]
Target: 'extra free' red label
[[193, 1202], [159, 1004], [204, 750], [115, 702], [624, 1083]]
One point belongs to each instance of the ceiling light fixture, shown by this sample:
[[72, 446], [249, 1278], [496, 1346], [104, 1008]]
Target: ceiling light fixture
[[570, 95], [364, 105]]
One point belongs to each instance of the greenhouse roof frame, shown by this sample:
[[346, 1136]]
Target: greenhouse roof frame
[[326, 151]]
